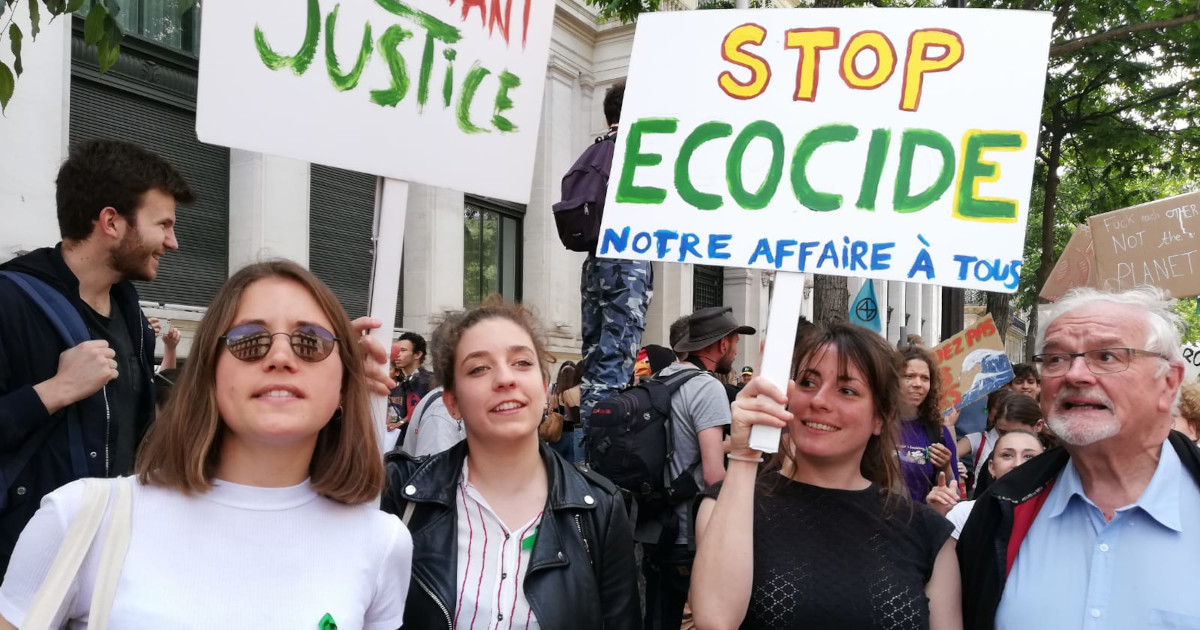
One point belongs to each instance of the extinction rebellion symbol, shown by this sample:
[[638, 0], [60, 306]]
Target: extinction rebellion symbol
[[866, 309]]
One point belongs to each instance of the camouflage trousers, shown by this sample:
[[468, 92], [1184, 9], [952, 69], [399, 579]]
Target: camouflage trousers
[[616, 295]]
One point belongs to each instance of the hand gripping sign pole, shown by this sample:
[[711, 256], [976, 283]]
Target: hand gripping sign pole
[[391, 206], [782, 318]]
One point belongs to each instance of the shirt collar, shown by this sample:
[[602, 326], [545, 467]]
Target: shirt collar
[[1160, 500]]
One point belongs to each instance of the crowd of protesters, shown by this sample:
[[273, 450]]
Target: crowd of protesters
[[254, 494]]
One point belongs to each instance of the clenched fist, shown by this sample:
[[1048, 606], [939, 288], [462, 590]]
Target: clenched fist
[[82, 371]]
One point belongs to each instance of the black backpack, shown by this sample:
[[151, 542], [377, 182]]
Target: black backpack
[[578, 215], [629, 440]]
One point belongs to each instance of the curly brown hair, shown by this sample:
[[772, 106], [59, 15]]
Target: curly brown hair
[[1189, 403], [929, 411], [445, 339]]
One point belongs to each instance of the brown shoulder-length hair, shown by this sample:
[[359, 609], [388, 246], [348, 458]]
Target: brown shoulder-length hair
[[880, 367], [183, 446], [928, 412]]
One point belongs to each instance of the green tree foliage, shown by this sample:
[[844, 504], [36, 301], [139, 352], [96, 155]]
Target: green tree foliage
[[100, 29], [1186, 309]]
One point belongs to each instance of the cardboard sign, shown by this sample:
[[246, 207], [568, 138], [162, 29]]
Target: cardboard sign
[[1191, 361], [426, 91], [861, 142], [1075, 267], [972, 364], [1156, 243]]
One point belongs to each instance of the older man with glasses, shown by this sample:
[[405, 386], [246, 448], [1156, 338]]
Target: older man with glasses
[[1104, 533]]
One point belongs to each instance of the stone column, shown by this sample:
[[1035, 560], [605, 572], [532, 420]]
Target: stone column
[[742, 288], [268, 208], [672, 298], [551, 272], [433, 256], [913, 295], [34, 132], [895, 300]]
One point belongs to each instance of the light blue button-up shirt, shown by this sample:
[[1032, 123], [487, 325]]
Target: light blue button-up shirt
[[1140, 570]]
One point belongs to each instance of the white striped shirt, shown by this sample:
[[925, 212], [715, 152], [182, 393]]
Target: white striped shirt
[[492, 562]]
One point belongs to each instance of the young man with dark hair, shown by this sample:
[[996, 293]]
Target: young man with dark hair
[[413, 382], [1026, 380], [616, 295], [72, 412]]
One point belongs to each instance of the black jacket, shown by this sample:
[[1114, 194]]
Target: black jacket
[[1003, 516], [29, 349], [581, 573]]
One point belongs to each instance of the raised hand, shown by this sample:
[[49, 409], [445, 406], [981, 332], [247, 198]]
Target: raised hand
[[943, 496], [376, 356], [748, 410]]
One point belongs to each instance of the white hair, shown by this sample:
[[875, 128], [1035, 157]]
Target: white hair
[[1163, 325]]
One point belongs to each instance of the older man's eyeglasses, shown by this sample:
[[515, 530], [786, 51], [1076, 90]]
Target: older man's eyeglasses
[[1100, 361]]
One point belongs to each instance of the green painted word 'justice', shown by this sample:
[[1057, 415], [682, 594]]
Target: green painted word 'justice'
[[438, 36]]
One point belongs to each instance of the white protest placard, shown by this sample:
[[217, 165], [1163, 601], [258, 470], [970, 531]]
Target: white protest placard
[[1191, 361], [427, 91], [884, 143]]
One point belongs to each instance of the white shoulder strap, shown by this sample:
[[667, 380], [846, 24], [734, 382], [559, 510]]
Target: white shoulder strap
[[112, 557], [408, 512], [81, 534], [74, 547]]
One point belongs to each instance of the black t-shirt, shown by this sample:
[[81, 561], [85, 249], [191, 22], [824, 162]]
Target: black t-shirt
[[124, 394], [839, 559], [409, 391]]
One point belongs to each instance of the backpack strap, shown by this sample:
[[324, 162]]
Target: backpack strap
[[70, 327], [414, 423], [671, 384]]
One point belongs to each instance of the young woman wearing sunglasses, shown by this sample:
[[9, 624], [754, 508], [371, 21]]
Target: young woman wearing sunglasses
[[254, 502]]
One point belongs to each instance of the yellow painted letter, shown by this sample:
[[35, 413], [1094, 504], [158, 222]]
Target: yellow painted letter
[[918, 63], [760, 71], [810, 41]]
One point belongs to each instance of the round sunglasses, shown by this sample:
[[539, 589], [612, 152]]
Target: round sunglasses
[[252, 342]]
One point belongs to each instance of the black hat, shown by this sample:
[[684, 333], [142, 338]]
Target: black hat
[[748, 370], [658, 357], [708, 326]]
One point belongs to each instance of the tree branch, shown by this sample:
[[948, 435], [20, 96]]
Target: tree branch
[[1073, 45]]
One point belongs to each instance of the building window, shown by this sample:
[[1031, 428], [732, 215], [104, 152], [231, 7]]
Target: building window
[[171, 23], [491, 250], [708, 286]]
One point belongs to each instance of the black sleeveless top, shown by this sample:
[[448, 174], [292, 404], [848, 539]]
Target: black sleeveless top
[[839, 559]]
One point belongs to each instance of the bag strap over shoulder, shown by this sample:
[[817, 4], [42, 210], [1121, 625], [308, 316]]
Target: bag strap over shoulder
[[81, 534], [70, 327]]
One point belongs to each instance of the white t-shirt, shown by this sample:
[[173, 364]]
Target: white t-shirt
[[985, 440], [235, 557], [959, 515]]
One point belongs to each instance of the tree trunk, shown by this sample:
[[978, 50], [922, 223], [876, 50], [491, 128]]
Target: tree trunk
[[1000, 307], [1048, 204], [831, 298], [1031, 335]]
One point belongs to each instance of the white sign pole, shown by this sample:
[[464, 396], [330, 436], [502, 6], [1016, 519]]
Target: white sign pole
[[782, 319], [391, 205]]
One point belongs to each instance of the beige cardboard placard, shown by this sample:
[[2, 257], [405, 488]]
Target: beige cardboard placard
[[1076, 267], [972, 364], [1156, 243]]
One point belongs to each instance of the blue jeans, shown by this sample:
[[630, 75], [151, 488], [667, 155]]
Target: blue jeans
[[565, 445]]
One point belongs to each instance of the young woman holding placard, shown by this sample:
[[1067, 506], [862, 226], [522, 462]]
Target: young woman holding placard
[[821, 538]]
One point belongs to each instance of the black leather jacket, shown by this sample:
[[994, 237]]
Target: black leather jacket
[[582, 574]]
